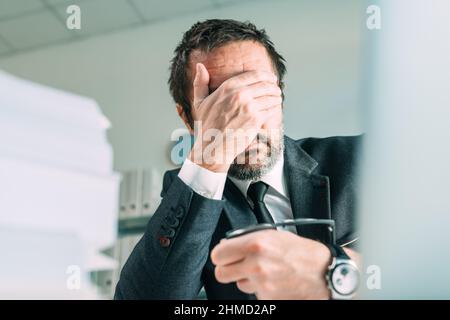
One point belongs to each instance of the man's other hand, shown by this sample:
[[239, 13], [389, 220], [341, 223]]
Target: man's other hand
[[274, 265]]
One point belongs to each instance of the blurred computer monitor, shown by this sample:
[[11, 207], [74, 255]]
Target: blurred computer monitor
[[405, 210]]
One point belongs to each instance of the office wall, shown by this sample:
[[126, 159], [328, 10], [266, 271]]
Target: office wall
[[127, 71]]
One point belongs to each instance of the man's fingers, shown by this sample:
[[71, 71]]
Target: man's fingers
[[246, 286], [232, 272], [248, 78], [254, 83], [263, 88], [265, 103], [201, 84], [266, 115], [229, 251], [233, 250], [253, 266]]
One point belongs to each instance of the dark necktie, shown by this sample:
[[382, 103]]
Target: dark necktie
[[256, 193]]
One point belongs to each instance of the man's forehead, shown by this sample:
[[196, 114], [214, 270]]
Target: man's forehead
[[230, 60]]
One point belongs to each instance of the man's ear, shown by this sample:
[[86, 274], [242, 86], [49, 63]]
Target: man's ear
[[183, 117]]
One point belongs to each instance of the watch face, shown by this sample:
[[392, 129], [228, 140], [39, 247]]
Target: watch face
[[345, 279]]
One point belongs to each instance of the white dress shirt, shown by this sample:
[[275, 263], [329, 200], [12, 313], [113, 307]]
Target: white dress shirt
[[210, 185]]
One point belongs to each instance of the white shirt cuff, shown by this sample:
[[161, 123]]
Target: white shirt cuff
[[206, 183]]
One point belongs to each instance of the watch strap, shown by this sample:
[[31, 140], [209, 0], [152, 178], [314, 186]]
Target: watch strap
[[337, 251]]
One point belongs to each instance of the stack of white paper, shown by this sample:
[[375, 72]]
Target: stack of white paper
[[56, 179], [51, 126]]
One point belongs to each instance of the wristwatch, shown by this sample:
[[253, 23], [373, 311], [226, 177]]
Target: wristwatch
[[342, 275]]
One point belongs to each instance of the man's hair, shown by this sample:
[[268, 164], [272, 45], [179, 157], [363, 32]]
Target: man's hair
[[205, 36]]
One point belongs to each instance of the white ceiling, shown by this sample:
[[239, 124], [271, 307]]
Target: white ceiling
[[30, 24]]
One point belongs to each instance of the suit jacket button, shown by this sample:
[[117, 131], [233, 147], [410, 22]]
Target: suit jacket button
[[164, 241], [172, 222], [180, 213], [169, 233]]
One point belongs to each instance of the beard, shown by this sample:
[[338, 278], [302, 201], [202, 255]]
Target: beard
[[260, 157]]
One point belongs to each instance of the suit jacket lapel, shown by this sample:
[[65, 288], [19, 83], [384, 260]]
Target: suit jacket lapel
[[309, 192]]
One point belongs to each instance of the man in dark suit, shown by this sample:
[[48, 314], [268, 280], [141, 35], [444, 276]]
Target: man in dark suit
[[226, 79]]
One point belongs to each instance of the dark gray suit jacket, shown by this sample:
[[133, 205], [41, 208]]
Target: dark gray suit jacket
[[172, 260]]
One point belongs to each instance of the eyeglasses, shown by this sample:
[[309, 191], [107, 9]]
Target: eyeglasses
[[288, 222]]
